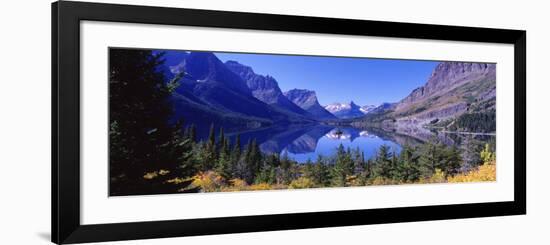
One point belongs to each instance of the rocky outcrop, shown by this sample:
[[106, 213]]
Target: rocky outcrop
[[451, 90], [307, 100], [448, 75], [265, 88]]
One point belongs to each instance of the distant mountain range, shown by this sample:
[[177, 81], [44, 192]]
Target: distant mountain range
[[349, 110], [211, 93], [233, 95]]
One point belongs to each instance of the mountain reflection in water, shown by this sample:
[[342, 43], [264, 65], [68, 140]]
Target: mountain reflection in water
[[303, 142], [308, 142]]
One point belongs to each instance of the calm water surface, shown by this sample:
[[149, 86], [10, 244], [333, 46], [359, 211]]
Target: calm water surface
[[326, 145], [303, 142], [307, 142]]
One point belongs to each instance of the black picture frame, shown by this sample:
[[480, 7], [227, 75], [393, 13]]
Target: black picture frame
[[66, 18]]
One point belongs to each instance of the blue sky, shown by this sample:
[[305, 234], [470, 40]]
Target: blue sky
[[365, 81]]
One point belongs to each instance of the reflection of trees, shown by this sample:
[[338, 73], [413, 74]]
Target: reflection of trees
[[300, 139], [401, 139], [294, 138], [469, 145]]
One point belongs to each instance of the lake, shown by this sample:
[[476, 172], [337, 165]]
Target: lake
[[326, 145], [303, 142]]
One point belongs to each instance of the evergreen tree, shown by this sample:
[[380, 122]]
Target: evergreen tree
[[407, 170], [272, 160], [142, 139], [358, 161], [481, 122], [224, 166], [429, 160], [369, 169], [221, 140], [320, 172], [212, 135], [252, 159], [285, 173], [451, 160], [343, 166], [308, 169], [235, 155], [255, 157], [267, 174], [471, 157], [487, 155], [438, 156], [241, 171], [209, 158], [383, 162], [192, 133]]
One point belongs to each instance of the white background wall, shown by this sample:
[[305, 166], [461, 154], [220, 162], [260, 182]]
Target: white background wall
[[25, 121]]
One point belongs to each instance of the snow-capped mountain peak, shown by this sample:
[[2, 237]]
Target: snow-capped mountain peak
[[348, 110], [335, 107]]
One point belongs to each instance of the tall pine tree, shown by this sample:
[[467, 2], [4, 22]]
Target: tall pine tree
[[143, 143]]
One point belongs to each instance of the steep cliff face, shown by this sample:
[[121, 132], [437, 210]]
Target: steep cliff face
[[210, 92], [307, 100], [448, 75], [265, 88], [453, 88], [206, 68]]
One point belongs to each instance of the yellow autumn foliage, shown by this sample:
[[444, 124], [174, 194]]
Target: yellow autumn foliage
[[260, 187], [208, 181], [382, 181], [485, 172], [238, 183], [154, 174], [241, 185], [235, 185], [151, 175], [437, 177], [301, 182], [176, 181]]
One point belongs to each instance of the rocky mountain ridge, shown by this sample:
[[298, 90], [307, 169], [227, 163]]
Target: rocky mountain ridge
[[452, 90], [265, 88], [307, 100]]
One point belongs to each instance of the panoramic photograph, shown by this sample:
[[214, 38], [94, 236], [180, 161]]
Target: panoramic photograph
[[185, 121]]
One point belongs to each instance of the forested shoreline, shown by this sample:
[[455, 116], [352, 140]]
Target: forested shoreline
[[224, 166]]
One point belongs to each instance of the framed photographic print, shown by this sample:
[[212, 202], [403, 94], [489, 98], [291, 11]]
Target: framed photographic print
[[175, 122]]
